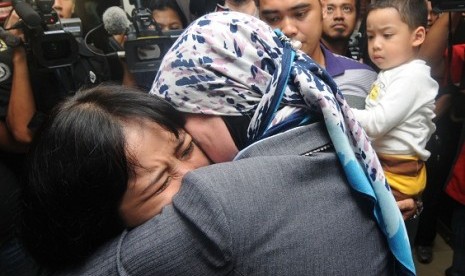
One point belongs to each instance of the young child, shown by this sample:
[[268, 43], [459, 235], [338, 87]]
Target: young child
[[399, 109]]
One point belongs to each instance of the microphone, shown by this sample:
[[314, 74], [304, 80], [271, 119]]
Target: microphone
[[29, 16], [115, 21], [9, 39]]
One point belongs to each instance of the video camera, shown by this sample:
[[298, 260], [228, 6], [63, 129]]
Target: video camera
[[147, 44], [448, 5], [51, 41]]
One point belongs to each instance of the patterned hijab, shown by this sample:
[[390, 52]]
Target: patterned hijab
[[232, 64]]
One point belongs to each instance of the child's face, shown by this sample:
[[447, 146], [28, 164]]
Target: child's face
[[390, 41]]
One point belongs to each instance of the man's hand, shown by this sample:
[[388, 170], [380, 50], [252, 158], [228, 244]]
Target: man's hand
[[408, 207], [10, 22]]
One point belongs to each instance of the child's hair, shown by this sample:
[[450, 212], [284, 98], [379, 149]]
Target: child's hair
[[412, 12]]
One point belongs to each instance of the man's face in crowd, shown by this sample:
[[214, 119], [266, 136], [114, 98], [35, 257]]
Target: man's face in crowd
[[168, 19], [298, 19], [339, 19]]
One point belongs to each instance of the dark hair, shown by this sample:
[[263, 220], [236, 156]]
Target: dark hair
[[414, 13], [257, 3], [166, 4], [357, 8], [77, 172]]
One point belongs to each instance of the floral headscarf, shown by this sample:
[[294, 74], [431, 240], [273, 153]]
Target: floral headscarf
[[232, 64]]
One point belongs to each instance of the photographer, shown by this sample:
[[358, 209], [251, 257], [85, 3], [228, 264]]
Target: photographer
[[36, 89], [27, 93], [13, 259], [167, 16]]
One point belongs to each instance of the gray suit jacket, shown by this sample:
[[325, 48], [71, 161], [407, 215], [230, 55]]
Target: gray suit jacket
[[282, 208]]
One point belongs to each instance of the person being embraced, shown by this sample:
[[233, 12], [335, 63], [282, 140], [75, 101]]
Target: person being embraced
[[109, 158], [302, 154]]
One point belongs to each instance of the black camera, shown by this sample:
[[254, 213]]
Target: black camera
[[51, 41], [147, 44], [144, 54], [448, 5]]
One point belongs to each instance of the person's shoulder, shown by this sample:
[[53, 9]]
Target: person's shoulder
[[416, 68], [349, 63], [334, 61], [294, 142]]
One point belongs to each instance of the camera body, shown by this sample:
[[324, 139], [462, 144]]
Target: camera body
[[147, 44], [145, 53], [45, 10], [52, 42]]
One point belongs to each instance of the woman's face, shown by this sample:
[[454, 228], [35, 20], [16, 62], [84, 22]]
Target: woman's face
[[168, 19], [161, 160], [212, 136], [64, 8]]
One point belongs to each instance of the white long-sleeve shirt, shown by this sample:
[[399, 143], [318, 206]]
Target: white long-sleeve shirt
[[399, 110]]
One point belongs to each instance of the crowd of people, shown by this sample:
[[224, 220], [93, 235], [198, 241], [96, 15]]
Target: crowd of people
[[267, 124]]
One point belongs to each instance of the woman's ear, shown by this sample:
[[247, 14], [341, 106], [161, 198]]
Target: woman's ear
[[418, 36]]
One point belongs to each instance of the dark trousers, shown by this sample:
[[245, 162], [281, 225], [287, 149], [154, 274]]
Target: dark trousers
[[443, 148], [458, 241], [13, 258]]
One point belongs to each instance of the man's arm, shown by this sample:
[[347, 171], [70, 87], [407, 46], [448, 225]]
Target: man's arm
[[7, 142], [436, 42], [22, 107]]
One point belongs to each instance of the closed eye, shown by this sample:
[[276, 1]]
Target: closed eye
[[188, 151], [163, 186]]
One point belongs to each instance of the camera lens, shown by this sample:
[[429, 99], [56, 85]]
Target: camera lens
[[56, 49]]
